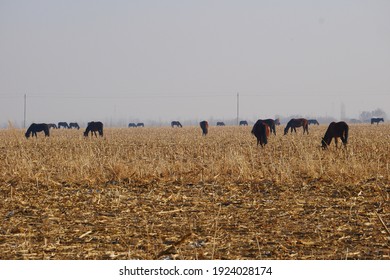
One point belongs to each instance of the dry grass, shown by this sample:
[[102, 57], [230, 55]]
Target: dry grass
[[163, 193]]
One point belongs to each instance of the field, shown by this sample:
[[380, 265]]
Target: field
[[164, 193]]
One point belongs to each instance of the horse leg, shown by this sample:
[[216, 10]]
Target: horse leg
[[336, 140]]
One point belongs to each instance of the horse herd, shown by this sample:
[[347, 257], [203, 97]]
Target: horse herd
[[92, 127], [261, 129]]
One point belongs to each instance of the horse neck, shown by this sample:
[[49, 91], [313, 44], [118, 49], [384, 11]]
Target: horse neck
[[29, 130]]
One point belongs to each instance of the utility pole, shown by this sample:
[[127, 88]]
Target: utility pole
[[25, 107], [238, 107]]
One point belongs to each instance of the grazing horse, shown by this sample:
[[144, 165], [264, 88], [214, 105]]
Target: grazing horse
[[245, 123], [63, 124], [176, 123], [335, 130], [37, 127], [261, 130], [204, 125], [271, 123], [74, 125], [52, 125], [140, 124], [277, 121], [294, 123], [313, 122], [93, 127], [377, 120], [220, 124], [132, 125]]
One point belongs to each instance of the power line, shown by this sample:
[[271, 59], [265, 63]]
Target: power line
[[201, 95]]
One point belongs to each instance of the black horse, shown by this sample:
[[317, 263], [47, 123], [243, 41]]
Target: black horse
[[335, 130], [245, 123], [261, 130], [140, 124], [52, 125], [204, 125], [313, 122], [131, 125], [63, 124], [220, 124], [277, 121], [176, 123], [37, 127], [93, 127], [74, 125], [294, 123], [377, 120]]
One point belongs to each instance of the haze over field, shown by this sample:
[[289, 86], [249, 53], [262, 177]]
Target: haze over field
[[164, 60]]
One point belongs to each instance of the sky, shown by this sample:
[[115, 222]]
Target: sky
[[81, 60]]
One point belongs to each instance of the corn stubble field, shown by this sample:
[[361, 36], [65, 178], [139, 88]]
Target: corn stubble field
[[164, 193]]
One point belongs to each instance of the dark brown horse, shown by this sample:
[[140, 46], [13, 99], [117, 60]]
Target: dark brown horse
[[271, 123], [220, 124], [204, 125], [244, 123], [294, 123], [52, 125], [377, 120], [335, 130], [176, 123], [261, 131], [313, 121], [74, 125], [63, 124], [93, 127], [37, 127]]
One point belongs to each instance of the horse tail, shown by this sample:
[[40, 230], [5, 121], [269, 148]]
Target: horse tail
[[46, 130], [346, 129], [266, 133]]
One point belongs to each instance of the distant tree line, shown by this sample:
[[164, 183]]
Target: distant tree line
[[366, 116]]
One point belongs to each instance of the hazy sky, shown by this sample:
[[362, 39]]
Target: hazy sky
[[162, 60]]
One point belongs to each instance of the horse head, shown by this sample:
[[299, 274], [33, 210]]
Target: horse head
[[324, 145]]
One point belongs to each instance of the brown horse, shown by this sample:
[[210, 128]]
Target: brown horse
[[261, 131], [294, 123], [204, 125], [335, 130], [271, 123]]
